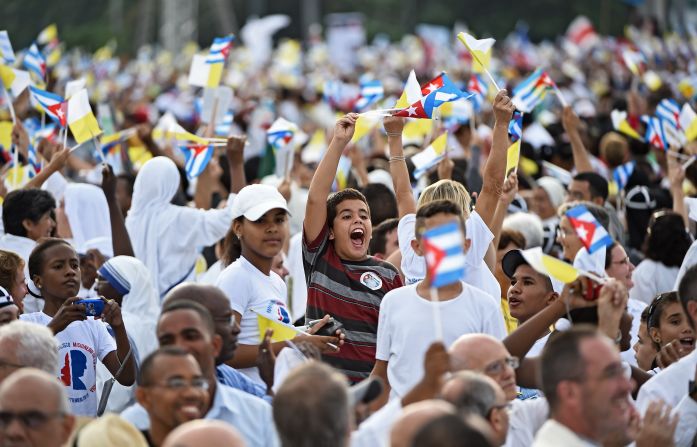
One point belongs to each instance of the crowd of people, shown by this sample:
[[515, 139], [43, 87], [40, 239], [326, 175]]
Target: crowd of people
[[134, 293]]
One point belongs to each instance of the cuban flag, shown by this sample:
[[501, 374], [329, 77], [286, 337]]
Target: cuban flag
[[593, 236], [197, 158], [53, 105], [479, 90], [35, 62], [669, 110], [622, 173], [655, 132], [340, 95], [371, 92], [220, 48], [440, 90], [224, 127], [529, 93], [445, 256], [280, 134], [515, 126]]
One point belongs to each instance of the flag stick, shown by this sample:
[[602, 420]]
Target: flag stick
[[675, 154], [689, 162], [15, 164], [65, 137], [9, 103], [437, 323], [381, 112], [43, 118], [592, 276], [98, 147], [562, 100]]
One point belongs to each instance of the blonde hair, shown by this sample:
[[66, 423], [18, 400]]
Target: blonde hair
[[447, 190]]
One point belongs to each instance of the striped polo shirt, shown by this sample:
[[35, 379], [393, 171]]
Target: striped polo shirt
[[351, 292]]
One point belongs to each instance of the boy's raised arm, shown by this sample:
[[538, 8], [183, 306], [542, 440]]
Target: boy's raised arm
[[320, 187]]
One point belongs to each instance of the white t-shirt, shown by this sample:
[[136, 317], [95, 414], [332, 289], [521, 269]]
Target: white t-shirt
[[248, 288], [79, 346], [651, 278], [477, 273], [406, 329]]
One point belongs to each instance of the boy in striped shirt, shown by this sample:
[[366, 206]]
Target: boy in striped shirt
[[343, 281]]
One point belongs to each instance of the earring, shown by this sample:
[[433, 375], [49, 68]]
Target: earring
[[239, 236]]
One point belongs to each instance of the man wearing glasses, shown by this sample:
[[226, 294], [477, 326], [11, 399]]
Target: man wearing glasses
[[34, 410], [172, 390]]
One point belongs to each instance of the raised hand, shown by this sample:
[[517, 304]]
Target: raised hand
[[503, 108], [345, 127], [393, 125]]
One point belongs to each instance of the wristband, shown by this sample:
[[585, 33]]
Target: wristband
[[397, 158], [394, 134]]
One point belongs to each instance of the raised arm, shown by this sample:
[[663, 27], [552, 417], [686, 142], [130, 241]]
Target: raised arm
[[676, 174], [59, 157], [120, 241], [510, 188], [572, 125], [398, 167], [321, 185], [495, 167]]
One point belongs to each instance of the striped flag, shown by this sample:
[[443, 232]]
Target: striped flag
[[669, 111], [479, 90], [7, 54], [224, 127], [529, 93], [515, 126], [622, 173], [197, 158], [83, 124], [14, 80], [655, 132], [371, 92], [515, 130], [593, 236], [445, 256], [430, 157], [440, 90], [35, 62], [53, 105], [220, 48], [280, 133], [33, 158], [635, 62]]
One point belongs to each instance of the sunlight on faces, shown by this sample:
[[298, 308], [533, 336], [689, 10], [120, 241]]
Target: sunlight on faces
[[41, 228], [185, 328], [603, 394], [265, 237], [542, 205], [621, 268], [174, 405], [19, 287], [568, 239], [351, 229], [529, 293], [674, 325], [578, 191], [60, 273], [484, 354]]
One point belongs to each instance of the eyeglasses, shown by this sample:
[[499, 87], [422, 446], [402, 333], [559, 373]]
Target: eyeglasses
[[498, 366], [30, 419], [624, 261], [177, 384], [562, 233]]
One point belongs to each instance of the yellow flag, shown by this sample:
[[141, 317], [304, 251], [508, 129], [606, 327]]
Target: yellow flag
[[83, 124], [281, 331], [411, 93], [620, 124], [364, 124], [6, 134], [529, 167], [48, 34], [480, 50], [512, 157], [550, 266]]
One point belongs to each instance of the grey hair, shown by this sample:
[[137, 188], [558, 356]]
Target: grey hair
[[475, 393], [529, 225], [36, 345]]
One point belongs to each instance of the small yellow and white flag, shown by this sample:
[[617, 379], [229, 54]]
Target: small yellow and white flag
[[204, 74], [620, 124], [47, 34], [275, 316], [513, 157], [15, 81], [83, 124], [688, 121], [550, 266], [431, 156], [480, 50], [411, 92]]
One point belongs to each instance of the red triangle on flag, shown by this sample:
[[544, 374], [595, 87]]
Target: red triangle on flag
[[434, 256], [585, 230]]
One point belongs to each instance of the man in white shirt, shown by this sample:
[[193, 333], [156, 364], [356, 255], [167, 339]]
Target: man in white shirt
[[675, 385], [584, 381], [406, 324]]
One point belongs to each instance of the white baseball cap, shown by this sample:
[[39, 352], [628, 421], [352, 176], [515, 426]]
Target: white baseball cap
[[253, 201]]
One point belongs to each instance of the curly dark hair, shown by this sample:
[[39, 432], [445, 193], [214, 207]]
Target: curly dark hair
[[666, 240]]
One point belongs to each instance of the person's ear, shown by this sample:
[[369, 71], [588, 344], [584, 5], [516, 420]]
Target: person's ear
[[692, 310], [142, 397], [655, 335], [37, 281], [570, 392], [28, 225], [237, 228], [496, 420], [552, 297], [217, 345], [416, 246]]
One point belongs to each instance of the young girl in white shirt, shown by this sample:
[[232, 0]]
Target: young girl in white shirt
[[259, 233], [55, 269]]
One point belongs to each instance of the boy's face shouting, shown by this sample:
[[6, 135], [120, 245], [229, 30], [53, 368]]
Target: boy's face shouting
[[351, 230]]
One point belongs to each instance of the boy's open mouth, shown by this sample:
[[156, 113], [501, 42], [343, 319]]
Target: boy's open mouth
[[357, 237]]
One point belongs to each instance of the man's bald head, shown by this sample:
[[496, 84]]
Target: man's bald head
[[204, 432], [207, 295], [483, 353], [414, 417], [33, 390]]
